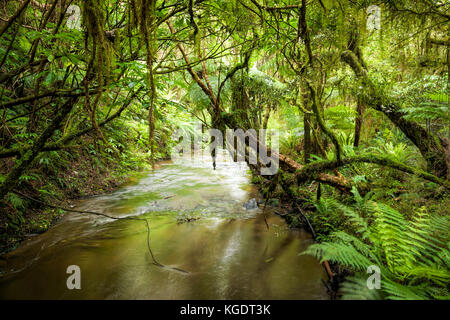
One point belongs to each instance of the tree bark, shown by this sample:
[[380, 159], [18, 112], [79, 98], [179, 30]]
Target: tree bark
[[358, 123], [266, 118], [14, 17], [313, 170], [429, 145], [62, 143], [22, 163], [306, 137]]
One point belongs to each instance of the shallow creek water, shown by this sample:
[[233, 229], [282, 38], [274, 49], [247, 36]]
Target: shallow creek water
[[228, 251]]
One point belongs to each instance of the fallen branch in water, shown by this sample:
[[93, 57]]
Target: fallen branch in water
[[155, 262]]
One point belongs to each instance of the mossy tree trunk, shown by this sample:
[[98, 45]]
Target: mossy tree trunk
[[429, 145], [27, 158]]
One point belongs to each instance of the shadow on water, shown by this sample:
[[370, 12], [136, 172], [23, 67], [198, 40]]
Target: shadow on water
[[230, 252]]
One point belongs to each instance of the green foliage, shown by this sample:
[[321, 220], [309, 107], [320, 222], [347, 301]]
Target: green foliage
[[327, 219], [340, 117], [107, 66], [425, 99], [413, 255], [17, 202], [290, 143], [396, 151], [433, 110]]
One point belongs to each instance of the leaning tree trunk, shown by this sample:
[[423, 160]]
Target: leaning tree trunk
[[430, 146]]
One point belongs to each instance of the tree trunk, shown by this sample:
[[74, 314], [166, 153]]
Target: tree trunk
[[23, 162], [266, 118], [306, 137], [358, 123], [429, 145], [307, 143]]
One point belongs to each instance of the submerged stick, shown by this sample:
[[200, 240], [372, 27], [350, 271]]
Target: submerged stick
[[155, 262]]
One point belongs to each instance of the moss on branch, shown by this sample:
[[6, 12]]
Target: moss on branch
[[312, 171]]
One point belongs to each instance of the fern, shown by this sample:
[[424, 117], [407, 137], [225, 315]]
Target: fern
[[428, 111], [17, 202], [355, 288], [340, 253], [413, 256]]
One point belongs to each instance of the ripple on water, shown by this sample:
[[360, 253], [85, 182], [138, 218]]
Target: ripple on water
[[230, 252]]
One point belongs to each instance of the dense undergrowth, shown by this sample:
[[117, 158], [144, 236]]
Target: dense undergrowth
[[59, 177], [364, 228], [412, 255], [86, 103]]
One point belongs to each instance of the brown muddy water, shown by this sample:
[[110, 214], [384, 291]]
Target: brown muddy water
[[229, 252]]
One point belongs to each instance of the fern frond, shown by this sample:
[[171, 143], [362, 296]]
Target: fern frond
[[396, 291], [341, 253], [360, 246], [413, 256], [355, 288]]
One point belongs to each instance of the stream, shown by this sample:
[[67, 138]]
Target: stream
[[198, 224]]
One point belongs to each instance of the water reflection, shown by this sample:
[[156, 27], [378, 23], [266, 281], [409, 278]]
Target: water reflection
[[230, 252]]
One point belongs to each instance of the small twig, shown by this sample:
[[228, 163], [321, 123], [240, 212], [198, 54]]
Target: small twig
[[155, 262], [325, 262]]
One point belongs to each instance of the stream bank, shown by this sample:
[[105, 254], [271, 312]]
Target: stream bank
[[230, 252], [79, 177]]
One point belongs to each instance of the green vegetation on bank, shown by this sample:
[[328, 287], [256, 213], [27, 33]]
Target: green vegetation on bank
[[359, 91]]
